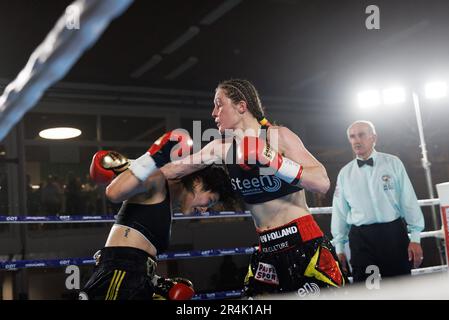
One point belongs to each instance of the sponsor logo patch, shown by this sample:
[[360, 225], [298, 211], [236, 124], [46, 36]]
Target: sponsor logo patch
[[266, 273], [256, 185]]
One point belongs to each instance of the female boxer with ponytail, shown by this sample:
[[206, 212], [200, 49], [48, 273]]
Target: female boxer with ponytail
[[270, 167]]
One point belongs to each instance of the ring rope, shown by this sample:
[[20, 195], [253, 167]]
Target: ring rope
[[176, 216], [55, 56], [54, 263], [110, 219]]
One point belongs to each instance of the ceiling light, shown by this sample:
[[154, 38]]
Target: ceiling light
[[393, 95], [369, 99], [59, 133], [435, 90]]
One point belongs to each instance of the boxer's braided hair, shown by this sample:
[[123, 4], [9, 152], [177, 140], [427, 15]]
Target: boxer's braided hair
[[242, 90]]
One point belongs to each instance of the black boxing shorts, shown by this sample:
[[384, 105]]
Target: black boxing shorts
[[121, 273], [291, 257]]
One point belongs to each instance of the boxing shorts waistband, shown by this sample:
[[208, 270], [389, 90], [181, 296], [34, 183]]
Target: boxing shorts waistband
[[294, 233], [136, 258]]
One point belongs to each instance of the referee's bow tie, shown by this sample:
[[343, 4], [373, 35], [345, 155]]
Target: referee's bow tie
[[369, 162]]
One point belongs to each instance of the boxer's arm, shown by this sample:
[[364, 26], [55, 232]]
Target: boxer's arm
[[314, 176], [126, 185], [141, 173], [110, 168], [213, 152]]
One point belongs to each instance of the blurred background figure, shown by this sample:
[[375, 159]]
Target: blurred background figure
[[91, 197], [73, 196], [51, 196]]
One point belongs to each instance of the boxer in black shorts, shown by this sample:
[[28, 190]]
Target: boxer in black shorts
[[125, 267]]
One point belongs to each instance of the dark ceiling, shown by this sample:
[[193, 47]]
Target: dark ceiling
[[298, 48]]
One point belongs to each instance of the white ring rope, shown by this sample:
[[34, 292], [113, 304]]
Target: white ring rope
[[54, 57], [422, 203], [428, 270], [430, 234]]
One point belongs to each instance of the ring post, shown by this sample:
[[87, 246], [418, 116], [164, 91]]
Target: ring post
[[443, 194]]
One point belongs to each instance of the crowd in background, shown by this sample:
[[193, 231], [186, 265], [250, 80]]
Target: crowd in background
[[71, 195]]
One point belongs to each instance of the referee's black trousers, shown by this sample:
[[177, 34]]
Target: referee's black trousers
[[384, 245]]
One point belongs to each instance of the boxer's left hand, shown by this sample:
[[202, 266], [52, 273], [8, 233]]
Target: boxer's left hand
[[174, 289]]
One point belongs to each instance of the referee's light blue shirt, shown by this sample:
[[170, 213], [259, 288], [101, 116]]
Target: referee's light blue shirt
[[366, 195]]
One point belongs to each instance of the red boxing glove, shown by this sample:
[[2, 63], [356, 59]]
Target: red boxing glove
[[171, 146], [106, 165], [254, 151], [181, 291], [172, 289]]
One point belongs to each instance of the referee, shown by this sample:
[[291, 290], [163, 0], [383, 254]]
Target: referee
[[374, 207]]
